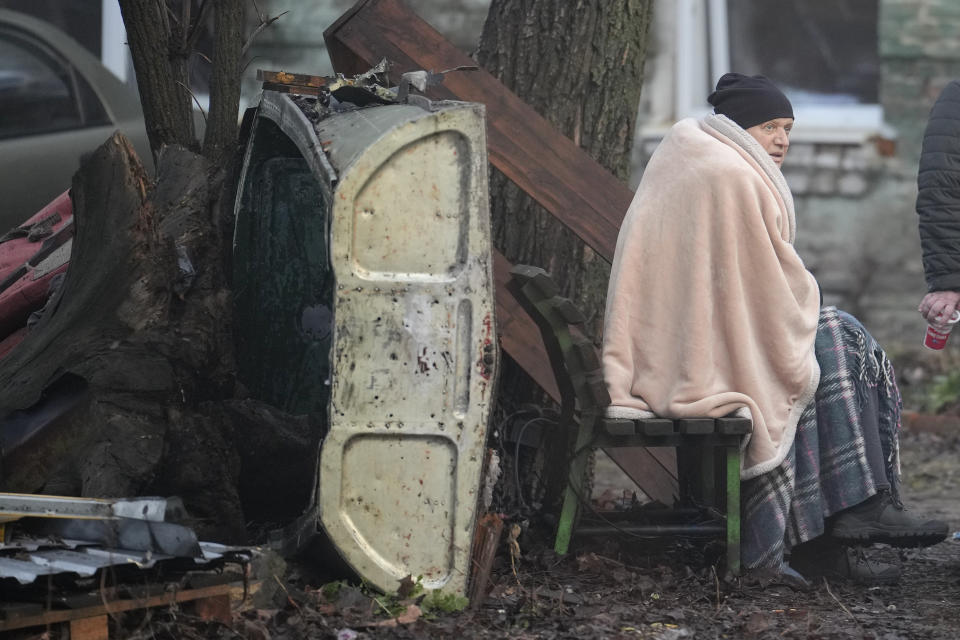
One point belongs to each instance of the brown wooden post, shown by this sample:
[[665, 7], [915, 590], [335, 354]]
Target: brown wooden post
[[214, 608], [93, 628]]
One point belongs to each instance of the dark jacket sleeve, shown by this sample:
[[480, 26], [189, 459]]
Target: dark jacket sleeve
[[938, 192]]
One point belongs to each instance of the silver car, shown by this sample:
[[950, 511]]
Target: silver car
[[57, 102]]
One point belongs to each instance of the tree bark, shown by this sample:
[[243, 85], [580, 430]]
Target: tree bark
[[143, 318], [220, 136], [160, 62], [580, 65]]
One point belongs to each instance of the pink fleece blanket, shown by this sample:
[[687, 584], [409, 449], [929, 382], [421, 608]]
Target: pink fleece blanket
[[710, 310]]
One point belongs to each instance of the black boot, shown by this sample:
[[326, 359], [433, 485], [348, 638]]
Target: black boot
[[825, 557], [883, 519]]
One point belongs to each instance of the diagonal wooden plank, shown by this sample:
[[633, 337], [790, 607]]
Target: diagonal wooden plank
[[549, 167], [553, 170]]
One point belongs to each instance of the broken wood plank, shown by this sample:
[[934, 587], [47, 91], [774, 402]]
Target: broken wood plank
[[486, 542]]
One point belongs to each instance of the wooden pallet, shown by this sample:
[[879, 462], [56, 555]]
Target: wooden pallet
[[213, 602]]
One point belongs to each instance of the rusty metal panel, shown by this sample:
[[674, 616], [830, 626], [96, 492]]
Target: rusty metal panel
[[414, 343]]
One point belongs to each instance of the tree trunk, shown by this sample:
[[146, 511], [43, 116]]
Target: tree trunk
[[580, 65], [160, 62], [142, 319], [221, 134]]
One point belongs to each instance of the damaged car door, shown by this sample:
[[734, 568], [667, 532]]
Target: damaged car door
[[364, 296]]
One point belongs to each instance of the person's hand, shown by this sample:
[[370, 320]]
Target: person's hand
[[938, 306]]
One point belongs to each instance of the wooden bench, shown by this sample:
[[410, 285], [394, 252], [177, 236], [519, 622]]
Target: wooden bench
[[708, 449]]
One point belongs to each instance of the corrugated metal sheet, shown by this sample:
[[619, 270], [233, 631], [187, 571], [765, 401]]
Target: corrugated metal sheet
[[28, 558]]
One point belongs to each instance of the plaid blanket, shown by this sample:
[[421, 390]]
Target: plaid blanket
[[826, 469]]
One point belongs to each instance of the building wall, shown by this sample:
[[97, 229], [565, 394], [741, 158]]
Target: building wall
[[919, 43]]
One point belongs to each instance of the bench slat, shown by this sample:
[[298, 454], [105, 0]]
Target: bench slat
[[695, 426], [655, 427], [619, 427], [732, 426]]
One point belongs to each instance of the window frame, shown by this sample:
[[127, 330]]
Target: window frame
[[81, 92], [697, 21]]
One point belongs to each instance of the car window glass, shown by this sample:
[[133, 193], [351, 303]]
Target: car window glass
[[35, 97], [92, 110], [283, 280]]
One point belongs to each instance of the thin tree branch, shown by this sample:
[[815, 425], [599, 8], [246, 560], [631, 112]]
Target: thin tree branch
[[197, 27], [195, 100], [185, 6], [263, 25], [260, 14], [837, 600]]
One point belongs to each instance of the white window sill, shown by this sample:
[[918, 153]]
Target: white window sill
[[840, 124]]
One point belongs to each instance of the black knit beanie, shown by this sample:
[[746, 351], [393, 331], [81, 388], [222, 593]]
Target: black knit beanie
[[749, 100]]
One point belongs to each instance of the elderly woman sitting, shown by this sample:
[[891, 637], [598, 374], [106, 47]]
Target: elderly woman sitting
[[710, 311]]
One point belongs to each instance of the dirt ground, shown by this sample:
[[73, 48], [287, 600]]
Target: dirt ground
[[625, 588], [633, 588]]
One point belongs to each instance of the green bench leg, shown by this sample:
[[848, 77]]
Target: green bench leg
[[568, 516], [574, 490], [733, 510]]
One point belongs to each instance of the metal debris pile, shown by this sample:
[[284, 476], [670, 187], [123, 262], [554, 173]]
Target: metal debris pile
[[340, 93], [74, 538]]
